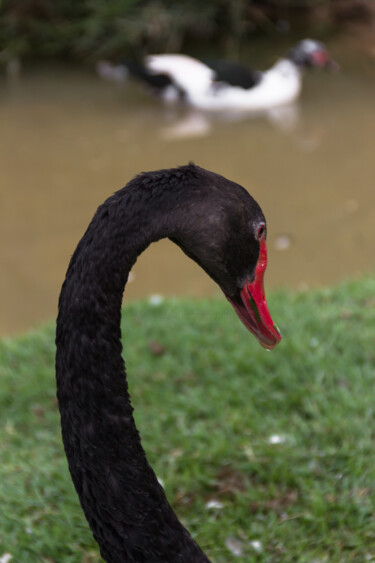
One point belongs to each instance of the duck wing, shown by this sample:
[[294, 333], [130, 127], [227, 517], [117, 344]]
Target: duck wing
[[234, 74]]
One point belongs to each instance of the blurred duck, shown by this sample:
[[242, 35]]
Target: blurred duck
[[223, 85]]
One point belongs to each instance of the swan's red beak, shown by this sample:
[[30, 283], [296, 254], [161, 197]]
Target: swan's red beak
[[251, 305]]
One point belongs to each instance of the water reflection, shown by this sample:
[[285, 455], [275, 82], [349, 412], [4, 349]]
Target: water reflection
[[68, 140], [191, 123]]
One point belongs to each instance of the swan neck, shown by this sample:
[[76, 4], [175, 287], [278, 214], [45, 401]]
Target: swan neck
[[124, 504]]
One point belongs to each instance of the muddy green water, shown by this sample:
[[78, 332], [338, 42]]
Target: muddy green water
[[68, 140]]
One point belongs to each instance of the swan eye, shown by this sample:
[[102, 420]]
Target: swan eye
[[261, 231]]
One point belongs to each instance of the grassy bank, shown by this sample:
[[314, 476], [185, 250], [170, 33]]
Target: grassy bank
[[283, 442]]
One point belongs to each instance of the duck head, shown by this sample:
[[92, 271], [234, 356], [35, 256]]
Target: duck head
[[310, 53]]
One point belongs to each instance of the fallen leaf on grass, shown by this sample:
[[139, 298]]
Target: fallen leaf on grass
[[277, 505], [235, 546], [229, 481], [156, 348]]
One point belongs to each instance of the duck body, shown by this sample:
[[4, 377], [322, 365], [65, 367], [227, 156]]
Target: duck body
[[200, 89], [225, 86]]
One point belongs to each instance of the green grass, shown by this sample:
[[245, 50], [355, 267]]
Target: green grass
[[207, 408]]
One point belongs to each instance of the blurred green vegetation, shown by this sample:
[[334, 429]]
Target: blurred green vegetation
[[90, 29], [282, 442]]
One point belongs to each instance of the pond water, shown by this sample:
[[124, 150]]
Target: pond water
[[69, 139]]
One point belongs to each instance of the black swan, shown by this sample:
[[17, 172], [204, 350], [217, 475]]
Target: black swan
[[211, 85], [220, 226]]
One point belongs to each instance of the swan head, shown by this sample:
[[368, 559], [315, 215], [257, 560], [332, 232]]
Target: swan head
[[310, 53], [250, 302], [224, 230]]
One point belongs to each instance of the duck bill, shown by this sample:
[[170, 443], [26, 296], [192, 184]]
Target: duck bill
[[251, 305], [321, 59]]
